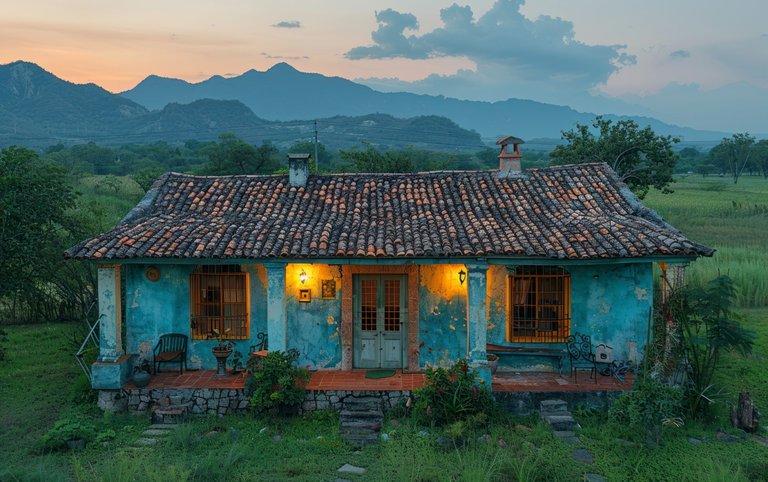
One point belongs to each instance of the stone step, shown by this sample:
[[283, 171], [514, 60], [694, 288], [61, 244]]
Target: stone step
[[370, 424], [564, 433], [361, 440], [560, 422], [146, 441], [361, 414], [169, 415], [163, 426], [375, 400], [152, 432], [553, 406]]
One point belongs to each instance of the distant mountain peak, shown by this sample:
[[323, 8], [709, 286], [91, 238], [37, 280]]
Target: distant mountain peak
[[282, 68]]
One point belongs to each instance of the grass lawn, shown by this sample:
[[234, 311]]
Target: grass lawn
[[38, 383], [733, 219]]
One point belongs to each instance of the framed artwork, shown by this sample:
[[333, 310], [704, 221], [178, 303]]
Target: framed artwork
[[329, 289], [305, 295]]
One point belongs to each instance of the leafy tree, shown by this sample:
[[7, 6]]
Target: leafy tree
[[733, 154], [371, 160], [642, 158], [232, 155], [324, 157], [760, 157], [37, 222], [146, 177]]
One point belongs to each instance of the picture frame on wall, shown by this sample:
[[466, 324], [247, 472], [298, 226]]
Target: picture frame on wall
[[305, 295], [328, 291]]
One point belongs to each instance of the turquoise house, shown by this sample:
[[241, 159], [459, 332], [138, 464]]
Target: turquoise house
[[382, 270]]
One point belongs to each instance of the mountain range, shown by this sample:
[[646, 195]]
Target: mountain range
[[38, 109]]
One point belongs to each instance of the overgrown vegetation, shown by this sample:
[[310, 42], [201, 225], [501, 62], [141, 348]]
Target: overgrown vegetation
[[708, 329], [451, 395], [275, 384]]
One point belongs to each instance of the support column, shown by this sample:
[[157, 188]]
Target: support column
[[477, 323], [276, 318], [111, 369], [110, 314]]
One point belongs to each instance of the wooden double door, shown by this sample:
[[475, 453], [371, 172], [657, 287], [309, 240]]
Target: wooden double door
[[380, 305]]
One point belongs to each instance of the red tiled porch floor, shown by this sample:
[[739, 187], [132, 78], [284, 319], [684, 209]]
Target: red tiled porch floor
[[355, 380]]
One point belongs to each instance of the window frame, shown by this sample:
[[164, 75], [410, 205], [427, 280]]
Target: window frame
[[543, 277], [209, 288]]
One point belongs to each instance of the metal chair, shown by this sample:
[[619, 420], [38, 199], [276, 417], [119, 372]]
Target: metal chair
[[581, 355]]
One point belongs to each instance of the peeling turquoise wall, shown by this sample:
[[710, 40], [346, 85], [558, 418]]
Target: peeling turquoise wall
[[442, 315], [314, 328], [609, 302], [155, 308]]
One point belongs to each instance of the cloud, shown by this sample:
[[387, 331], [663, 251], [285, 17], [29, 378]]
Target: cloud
[[288, 24], [680, 54], [501, 42], [390, 40], [284, 57]]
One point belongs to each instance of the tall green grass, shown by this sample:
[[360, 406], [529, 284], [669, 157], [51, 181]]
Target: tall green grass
[[733, 219]]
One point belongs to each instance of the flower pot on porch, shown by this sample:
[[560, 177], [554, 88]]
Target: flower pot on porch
[[141, 378], [221, 360], [493, 363]]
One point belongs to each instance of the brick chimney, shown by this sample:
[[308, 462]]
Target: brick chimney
[[298, 169], [509, 162]]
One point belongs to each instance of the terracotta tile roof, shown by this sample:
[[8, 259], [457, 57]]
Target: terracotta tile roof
[[570, 212]]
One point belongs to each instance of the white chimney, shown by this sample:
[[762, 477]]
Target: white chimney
[[509, 162], [298, 169]]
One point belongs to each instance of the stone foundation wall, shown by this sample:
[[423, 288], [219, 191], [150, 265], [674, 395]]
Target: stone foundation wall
[[334, 399], [231, 401], [199, 400]]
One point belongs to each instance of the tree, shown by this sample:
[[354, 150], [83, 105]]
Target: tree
[[305, 147], [232, 155], [760, 157], [642, 158], [371, 160], [733, 154], [37, 222]]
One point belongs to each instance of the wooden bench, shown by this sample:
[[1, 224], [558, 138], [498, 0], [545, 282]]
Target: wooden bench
[[171, 348], [504, 350]]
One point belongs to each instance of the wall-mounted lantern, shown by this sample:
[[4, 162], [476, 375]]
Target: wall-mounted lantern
[[303, 276], [462, 277]]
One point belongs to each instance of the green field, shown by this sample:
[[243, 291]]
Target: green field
[[733, 219]]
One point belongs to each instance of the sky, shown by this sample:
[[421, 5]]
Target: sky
[[698, 63]]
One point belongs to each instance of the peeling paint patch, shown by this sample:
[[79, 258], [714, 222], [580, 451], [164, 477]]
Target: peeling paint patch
[[641, 293], [604, 307], [136, 295]]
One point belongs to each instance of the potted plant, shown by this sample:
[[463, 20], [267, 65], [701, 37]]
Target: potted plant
[[221, 350], [493, 362], [141, 374]]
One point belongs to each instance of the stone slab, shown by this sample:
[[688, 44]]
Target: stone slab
[[351, 469]]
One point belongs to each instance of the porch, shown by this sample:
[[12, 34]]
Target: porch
[[332, 380]]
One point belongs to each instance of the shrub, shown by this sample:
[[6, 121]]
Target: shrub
[[709, 328], [275, 384], [73, 427], [450, 395], [648, 408]]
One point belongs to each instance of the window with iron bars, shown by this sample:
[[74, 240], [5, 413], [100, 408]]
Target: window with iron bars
[[220, 301], [539, 305]]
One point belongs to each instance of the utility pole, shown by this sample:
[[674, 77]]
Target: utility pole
[[317, 160]]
